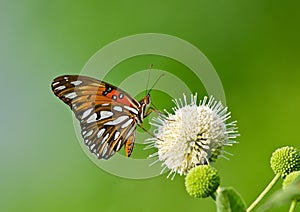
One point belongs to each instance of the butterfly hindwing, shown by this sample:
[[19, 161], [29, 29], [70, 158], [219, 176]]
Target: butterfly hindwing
[[129, 144], [107, 114]]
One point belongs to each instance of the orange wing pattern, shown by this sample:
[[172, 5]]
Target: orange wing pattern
[[107, 115]]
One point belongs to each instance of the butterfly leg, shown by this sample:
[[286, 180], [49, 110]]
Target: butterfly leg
[[141, 126], [152, 109]]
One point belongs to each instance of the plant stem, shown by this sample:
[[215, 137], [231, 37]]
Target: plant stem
[[293, 205], [265, 191]]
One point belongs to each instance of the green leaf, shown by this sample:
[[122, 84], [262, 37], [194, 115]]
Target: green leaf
[[228, 200], [282, 197]]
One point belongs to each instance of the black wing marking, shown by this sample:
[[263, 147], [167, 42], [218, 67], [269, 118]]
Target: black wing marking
[[105, 124]]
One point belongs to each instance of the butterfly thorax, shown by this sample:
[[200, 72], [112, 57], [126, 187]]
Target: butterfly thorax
[[144, 103]]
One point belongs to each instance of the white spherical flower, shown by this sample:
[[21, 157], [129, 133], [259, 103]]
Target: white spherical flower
[[194, 135]]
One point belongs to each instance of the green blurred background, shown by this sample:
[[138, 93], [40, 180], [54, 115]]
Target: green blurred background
[[254, 46]]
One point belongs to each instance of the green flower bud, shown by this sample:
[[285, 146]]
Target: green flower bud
[[289, 181], [285, 160], [202, 181]]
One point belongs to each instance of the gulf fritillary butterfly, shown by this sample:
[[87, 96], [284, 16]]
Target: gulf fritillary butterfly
[[108, 116]]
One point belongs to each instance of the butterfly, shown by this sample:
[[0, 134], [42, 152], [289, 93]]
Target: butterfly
[[108, 116]]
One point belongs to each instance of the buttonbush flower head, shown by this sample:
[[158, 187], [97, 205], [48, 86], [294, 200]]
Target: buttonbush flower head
[[192, 135], [202, 181], [285, 160]]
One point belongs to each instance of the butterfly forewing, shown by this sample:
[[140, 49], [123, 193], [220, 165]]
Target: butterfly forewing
[[107, 115]]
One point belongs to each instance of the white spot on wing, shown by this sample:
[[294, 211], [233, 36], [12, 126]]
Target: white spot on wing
[[126, 124], [105, 114], [55, 83], [129, 132], [116, 135], [119, 145], [92, 146], [78, 82], [104, 149], [89, 133], [117, 121], [118, 108], [71, 95], [100, 133], [92, 118], [60, 87], [131, 109], [105, 104], [105, 137], [86, 113]]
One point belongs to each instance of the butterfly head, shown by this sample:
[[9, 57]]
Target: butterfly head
[[146, 100]]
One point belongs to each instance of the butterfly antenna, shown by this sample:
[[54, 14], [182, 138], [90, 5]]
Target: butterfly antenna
[[160, 76], [151, 65]]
